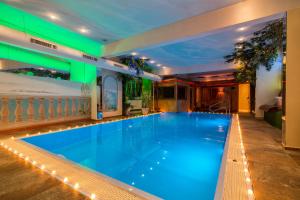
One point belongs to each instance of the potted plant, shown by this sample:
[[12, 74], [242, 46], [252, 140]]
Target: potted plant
[[146, 98]]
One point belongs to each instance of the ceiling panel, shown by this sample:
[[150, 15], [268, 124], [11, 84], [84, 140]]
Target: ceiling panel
[[111, 20], [205, 51]]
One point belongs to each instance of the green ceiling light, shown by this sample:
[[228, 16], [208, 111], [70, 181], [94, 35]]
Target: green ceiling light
[[22, 21], [82, 72]]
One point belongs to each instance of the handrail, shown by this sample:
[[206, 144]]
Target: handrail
[[220, 105]]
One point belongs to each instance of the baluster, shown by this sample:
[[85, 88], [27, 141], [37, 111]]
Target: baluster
[[77, 105], [41, 108], [63, 107], [12, 109], [36, 109], [59, 109], [73, 106], [46, 108], [18, 110], [24, 104], [30, 109], [67, 107], [70, 106], [51, 108], [89, 106], [5, 110], [84, 106]]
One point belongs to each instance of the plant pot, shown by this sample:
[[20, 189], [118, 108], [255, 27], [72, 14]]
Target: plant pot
[[145, 111], [127, 111]]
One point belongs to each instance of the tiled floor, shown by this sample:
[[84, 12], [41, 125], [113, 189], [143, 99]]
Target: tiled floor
[[275, 172], [22, 181]]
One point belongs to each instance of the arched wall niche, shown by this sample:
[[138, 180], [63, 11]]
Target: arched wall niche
[[112, 94]]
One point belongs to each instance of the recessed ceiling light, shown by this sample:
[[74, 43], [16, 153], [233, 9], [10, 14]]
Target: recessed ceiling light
[[53, 16], [83, 30], [241, 29], [143, 57], [158, 65], [152, 61], [241, 39], [134, 53], [164, 67]]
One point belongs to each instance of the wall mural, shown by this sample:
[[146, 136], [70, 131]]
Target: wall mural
[[110, 96]]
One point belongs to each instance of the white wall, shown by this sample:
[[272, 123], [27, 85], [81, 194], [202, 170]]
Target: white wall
[[14, 84], [268, 86]]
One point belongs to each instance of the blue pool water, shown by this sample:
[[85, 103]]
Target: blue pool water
[[171, 155]]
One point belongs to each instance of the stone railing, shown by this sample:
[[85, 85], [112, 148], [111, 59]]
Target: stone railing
[[22, 111]]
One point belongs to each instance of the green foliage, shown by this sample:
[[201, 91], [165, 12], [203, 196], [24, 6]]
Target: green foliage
[[146, 93], [260, 50], [132, 86]]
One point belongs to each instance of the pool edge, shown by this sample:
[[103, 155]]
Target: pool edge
[[234, 180]]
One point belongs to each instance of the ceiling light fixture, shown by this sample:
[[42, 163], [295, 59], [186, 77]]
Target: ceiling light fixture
[[241, 39], [152, 61], [83, 30], [53, 17], [143, 57], [164, 67], [134, 53], [241, 29], [158, 65]]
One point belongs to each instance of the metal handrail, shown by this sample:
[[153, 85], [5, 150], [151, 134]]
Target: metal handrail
[[221, 105]]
